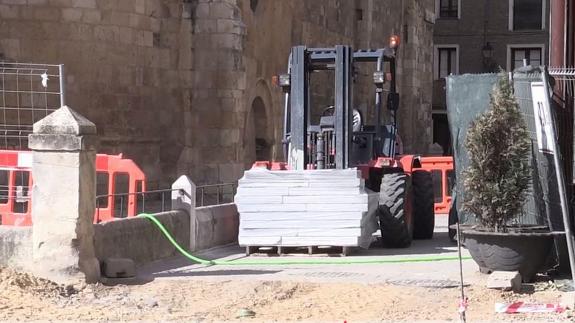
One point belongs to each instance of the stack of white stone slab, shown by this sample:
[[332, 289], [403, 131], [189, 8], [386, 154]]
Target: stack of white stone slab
[[305, 208]]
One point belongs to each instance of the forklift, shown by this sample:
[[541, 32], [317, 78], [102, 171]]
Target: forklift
[[342, 139]]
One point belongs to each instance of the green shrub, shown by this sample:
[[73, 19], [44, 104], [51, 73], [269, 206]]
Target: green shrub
[[498, 176]]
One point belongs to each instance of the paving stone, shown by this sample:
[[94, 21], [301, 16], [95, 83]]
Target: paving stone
[[119, 268], [505, 280]]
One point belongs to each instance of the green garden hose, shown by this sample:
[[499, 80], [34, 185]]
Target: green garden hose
[[276, 262]]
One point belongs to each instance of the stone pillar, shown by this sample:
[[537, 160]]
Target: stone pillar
[[185, 199], [63, 197]]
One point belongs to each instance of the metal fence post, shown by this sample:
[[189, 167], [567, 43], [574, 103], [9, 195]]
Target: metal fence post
[[62, 85]]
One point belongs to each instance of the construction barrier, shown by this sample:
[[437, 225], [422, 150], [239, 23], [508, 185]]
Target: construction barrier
[[115, 175], [441, 169]]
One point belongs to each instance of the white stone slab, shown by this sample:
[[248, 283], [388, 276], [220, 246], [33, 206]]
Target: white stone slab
[[318, 199], [350, 232], [259, 199], [335, 207], [246, 191], [299, 241], [320, 207], [246, 184], [332, 191], [303, 224], [272, 216], [270, 208], [260, 173]]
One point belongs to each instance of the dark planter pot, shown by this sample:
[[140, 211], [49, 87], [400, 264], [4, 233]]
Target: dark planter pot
[[525, 251]]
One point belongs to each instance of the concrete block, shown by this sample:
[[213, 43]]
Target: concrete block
[[223, 10], [92, 16], [505, 280], [9, 12], [140, 6], [127, 5], [205, 26], [568, 300], [119, 268], [215, 225], [203, 10], [84, 4], [107, 33], [61, 3], [126, 35], [71, 14], [51, 14], [16, 2]]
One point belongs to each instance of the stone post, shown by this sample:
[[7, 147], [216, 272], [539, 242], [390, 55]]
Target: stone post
[[185, 199], [63, 197]]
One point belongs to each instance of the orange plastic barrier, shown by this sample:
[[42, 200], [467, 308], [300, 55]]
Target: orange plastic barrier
[[16, 182], [441, 169], [115, 166]]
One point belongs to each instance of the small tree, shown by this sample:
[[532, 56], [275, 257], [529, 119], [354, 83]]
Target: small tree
[[498, 175]]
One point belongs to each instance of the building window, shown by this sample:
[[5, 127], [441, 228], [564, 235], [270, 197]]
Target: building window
[[446, 61], [526, 14], [447, 8], [533, 55]]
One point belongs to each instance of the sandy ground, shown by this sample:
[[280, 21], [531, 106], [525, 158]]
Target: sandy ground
[[181, 291], [23, 297]]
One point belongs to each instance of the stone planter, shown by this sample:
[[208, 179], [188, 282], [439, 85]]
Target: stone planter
[[524, 250]]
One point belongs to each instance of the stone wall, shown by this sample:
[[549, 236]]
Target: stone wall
[[139, 239], [258, 36], [127, 68], [184, 87]]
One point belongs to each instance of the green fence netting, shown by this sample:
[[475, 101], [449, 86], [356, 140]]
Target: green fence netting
[[467, 97]]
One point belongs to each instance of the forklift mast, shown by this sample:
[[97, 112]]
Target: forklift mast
[[333, 143]]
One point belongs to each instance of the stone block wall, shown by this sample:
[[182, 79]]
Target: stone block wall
[[184, 86], [127, 68]]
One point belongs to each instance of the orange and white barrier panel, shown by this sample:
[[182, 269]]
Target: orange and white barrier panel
[[112, 172], [441, 169]]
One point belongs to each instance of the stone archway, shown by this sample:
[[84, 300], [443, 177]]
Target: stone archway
[[258, 141]]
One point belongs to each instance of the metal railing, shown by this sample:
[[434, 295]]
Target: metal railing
[[215, 194], [145, 202], [28, 93], [159, 200]]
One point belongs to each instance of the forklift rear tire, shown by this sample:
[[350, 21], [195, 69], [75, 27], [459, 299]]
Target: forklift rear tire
[[423, 200], [395, 220]]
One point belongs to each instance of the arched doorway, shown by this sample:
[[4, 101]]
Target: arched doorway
[[258, 141]]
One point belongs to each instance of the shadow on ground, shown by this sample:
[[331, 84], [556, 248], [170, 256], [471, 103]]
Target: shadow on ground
[[227, 272]]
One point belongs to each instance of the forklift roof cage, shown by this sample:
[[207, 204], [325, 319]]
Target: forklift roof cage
[[341, 58]]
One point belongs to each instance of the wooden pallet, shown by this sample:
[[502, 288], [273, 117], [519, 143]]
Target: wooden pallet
[[310, 250]]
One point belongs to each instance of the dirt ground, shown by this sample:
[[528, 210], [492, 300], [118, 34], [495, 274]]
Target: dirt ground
[[24, 297]]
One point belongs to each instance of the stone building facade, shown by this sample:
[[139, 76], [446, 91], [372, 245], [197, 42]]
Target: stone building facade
[[482, 36], [184, 86]]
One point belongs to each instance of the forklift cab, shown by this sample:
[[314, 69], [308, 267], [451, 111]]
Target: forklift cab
[[340, 140]]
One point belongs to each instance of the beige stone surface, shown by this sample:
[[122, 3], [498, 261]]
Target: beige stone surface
[[64, 197]]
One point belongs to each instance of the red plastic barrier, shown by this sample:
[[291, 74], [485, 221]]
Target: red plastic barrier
[[114, 166], [16, 182], [443, 166]]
